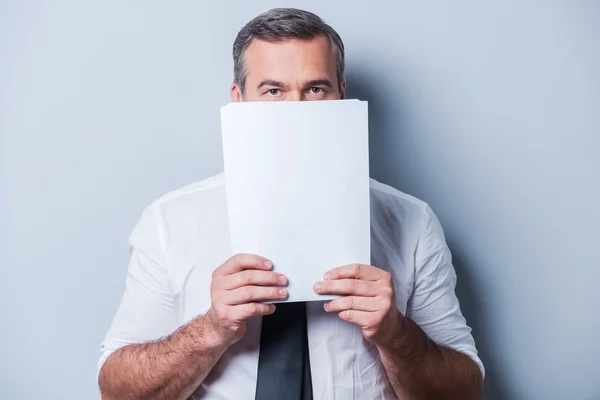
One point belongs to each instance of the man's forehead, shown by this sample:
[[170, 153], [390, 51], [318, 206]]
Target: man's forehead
[[292, 50], [297, 56]]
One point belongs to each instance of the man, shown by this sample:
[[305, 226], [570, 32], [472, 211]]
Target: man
[[192, 324]]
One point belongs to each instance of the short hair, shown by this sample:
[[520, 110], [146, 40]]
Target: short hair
[[281, 24]]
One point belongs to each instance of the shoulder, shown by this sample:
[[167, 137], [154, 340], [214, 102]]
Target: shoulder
[[387, 202], [408, 221], [191, 193], [181, 210], [191, 200]]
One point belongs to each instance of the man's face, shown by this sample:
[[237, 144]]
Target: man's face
[[291, 70]]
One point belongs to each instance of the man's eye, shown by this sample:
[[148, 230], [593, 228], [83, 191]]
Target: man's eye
[[273, 92], [316, 90]]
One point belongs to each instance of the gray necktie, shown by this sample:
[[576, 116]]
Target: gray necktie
[[283, 363]]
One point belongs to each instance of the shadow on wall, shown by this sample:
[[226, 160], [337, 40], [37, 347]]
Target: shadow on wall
[[390, 131]]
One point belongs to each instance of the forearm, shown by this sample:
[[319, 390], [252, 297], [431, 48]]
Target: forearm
[[418, 368], [171, 368]]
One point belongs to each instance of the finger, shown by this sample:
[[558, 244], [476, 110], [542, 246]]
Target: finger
[[240, 262], [356, 271], [347, 287], [253, 277], [251, 294], [244, 311], [354, 303], [364, 319]]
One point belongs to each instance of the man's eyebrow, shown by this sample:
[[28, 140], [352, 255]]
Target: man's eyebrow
[[320, 82], [270, 82]]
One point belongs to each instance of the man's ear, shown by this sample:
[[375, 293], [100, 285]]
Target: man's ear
[[343, 90], [235, 93]]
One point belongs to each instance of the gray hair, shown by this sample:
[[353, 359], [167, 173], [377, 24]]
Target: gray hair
[[280, 24]]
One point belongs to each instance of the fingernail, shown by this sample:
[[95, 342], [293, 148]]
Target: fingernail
[[283, 279], [268, 264], [327, 275], [326, 306], [283, 292], [317, 287], [272, 309]]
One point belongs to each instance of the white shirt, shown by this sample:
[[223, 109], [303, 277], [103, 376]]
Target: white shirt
[[183, 236]]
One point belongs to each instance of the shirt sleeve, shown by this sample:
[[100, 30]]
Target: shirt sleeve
[[433, 304], [146, 311]]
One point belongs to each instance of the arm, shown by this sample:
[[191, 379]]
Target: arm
[[174, 367], [171, 368], [430, 353], [418, 368], [145, 354], [433, 337]]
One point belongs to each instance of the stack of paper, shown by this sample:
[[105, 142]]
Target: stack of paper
[[297, 181]]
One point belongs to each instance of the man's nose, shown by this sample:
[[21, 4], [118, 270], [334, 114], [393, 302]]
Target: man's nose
[[294, 95]]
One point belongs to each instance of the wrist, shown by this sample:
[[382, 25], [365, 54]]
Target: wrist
[[396, 330], [205, 338]]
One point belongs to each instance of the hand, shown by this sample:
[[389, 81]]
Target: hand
[[236, 289], [368, 301]]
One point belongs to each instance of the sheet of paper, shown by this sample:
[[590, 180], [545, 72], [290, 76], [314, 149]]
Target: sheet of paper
[[297, 181]]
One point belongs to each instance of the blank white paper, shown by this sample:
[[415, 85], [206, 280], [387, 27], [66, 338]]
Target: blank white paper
[[297, 182]]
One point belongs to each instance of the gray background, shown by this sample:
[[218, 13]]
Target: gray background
[[491, 113]]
